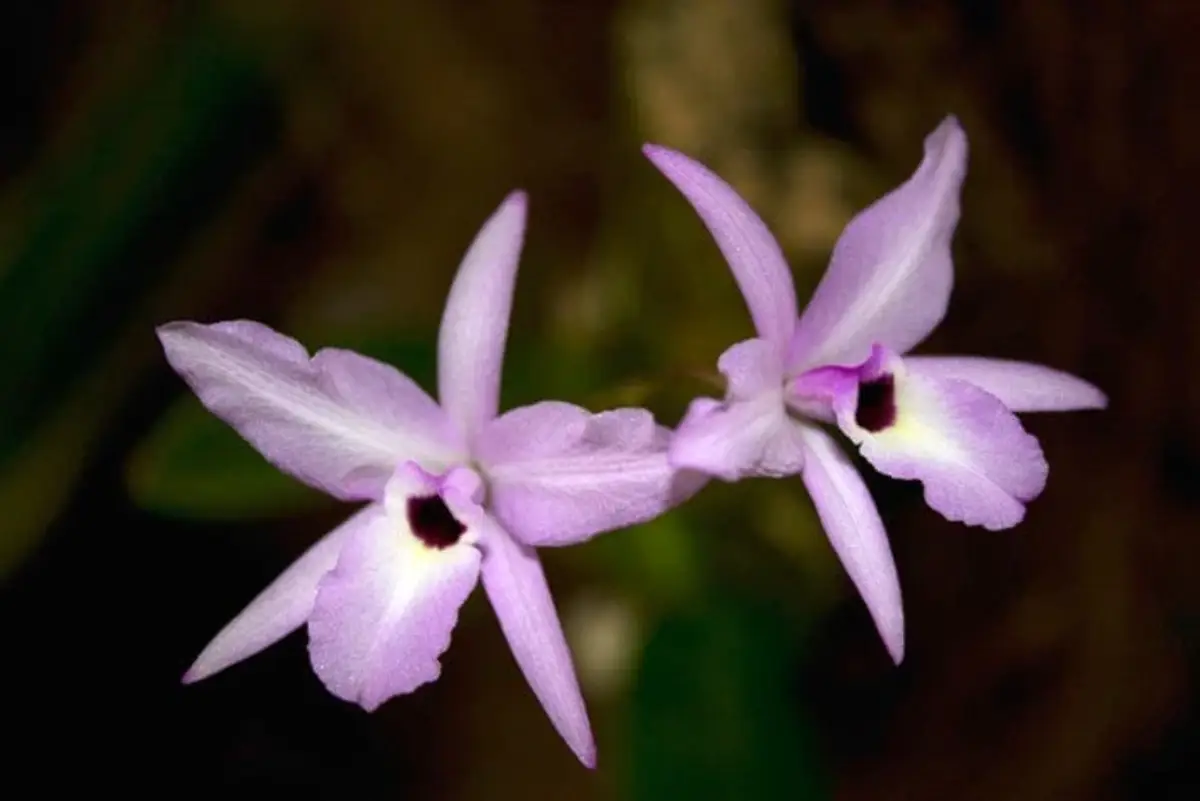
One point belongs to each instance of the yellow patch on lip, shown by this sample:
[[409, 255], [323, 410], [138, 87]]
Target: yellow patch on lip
[[915, 429]]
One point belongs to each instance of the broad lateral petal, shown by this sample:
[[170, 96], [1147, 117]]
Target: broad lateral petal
[[475, 322], [738, 439], [384, 615], [282, 607], [560, 474], [339, 422], [751, 368], [517, 588], [1020, 386], [977, 463], [852, 523], [754, 256], [890, 275]]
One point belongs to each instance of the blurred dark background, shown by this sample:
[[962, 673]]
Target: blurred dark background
[[321, 167]]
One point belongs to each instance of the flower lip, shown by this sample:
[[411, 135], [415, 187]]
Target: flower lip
[[876, 407], [432, 522]]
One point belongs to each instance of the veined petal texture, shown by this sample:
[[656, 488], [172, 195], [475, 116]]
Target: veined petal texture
[[890, 274], [559, 474], [339, 421], [475, 321]]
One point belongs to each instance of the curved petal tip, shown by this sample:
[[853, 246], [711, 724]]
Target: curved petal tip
[[948, 133], [891, 271], [279, 609], [1021, 386], [516, 585], [754, 256], [856, 532], [894, 642], [475, 320], [653, 151], [515, 202]]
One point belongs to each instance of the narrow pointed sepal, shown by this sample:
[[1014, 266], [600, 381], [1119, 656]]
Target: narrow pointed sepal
[[474, 326], [516, 585], [852, 523], [282, 607], [753, 254], [1020, 386]]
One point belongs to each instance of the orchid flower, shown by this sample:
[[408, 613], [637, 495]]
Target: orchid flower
[[455, 492], [947, 422]]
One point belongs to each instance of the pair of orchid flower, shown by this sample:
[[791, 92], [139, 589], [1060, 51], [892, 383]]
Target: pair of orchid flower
[[458, 492]]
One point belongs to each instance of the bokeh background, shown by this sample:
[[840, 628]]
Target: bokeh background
[[322, 166]]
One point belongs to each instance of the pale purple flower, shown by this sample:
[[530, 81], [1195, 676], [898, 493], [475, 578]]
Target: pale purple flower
[[456, 492], [945, 421]]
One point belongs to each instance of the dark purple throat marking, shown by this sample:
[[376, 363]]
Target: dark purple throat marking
[[432, 522], [876, 403]]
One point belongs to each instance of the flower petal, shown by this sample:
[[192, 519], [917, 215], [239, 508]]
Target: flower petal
[[751, 367], [754, 256], [475, 321], [339, 422], [852, 524], [559, 474], [978, 465], [282, 607], [384, 615], [1020, 386], [516, 585], [738, 439], [890, 275]]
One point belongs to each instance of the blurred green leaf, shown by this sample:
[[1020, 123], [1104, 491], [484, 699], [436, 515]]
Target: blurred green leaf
[[667, 395], [660, 561], [715, 715], [538, 369], [38, 479], [193, 465], [108, 215], [411, 352]]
